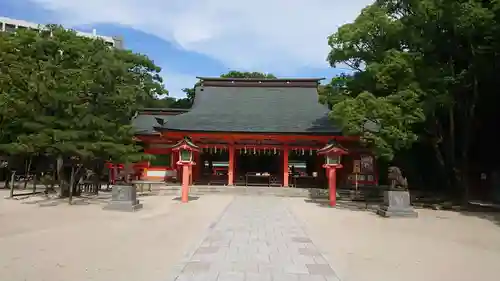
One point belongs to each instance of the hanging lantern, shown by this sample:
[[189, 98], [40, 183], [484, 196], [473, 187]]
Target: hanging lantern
[[302, 151], [275, 150], [254, 152], [310, 152]]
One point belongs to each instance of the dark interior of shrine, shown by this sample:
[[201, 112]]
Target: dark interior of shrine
[[258, 163], [251, 167]]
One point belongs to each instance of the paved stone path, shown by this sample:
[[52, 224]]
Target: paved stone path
[[257, 238]]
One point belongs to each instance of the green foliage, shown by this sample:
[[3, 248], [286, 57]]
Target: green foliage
[[395, 114], [71, 96], [401, 51], [239, 74], [426, 71], [160, 102]]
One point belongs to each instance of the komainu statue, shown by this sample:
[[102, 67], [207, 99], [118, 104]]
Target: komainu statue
[[396, 178]]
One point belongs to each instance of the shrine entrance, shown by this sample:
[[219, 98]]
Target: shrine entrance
[[257, 163], [258, 168], [214, 167]]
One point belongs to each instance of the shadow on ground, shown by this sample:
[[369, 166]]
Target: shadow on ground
[[483, 211], [488, 212], [53, 200], [190, 198], [344, 204]]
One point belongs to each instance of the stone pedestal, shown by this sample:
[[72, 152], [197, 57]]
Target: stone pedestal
[[397, 204], [124, 198]]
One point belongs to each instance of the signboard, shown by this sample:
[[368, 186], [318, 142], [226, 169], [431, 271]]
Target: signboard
[[156, 173], [356, 167], [367, 164]]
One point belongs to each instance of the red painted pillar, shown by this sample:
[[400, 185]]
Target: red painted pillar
[[332, 183], [197, 168], [190, 175], [230, 171], [185, 184], [285, 166], [235, 166], [112, 174]]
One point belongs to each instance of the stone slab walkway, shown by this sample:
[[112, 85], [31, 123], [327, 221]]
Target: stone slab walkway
[[256, 238]]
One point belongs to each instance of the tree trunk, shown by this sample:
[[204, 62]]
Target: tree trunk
[[71, 181], [470, 115], [12, 183], [7, 182], [53, 183], [27, 172], [34, 182], [63, 191], [51, 187], [442, 165]]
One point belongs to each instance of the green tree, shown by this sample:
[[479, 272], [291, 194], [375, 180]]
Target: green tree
[[250, 75], [423, 70], [72, 97]]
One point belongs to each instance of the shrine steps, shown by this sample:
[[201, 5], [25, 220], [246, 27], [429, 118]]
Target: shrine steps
[[248, 190], [259, 191]]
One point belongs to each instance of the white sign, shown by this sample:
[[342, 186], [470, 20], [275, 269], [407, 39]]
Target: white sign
[[156, 173]]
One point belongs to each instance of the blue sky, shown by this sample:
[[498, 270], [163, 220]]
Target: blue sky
[[190, 38]]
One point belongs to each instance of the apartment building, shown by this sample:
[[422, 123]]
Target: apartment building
[[11, 25]]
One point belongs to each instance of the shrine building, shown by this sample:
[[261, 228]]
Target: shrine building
[[252, 132]]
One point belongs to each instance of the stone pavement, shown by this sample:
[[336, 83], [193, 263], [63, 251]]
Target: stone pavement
[[256, 238]]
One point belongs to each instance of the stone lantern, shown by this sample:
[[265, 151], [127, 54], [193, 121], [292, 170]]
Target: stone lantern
[[333, 152], [185, 148]]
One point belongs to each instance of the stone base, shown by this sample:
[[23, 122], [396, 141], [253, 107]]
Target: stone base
[[124, 198], [386, 211], [123, 206], [397, 204]]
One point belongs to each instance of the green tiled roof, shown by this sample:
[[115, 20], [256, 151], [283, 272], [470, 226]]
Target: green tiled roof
[[144, 124], [255, 110]]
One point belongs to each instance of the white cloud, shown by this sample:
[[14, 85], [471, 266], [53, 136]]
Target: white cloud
[[175, 82], [269, 35]]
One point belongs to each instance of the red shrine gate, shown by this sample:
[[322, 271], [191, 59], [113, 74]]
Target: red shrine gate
[[220, 160]]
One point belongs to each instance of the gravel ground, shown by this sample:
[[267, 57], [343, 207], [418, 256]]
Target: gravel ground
[[438, 245], [46, 241]]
